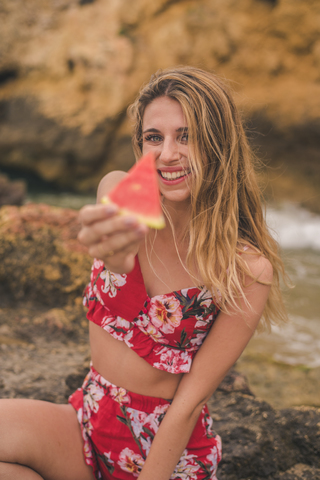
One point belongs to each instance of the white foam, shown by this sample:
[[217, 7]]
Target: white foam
[[297, 343], [294, 227]]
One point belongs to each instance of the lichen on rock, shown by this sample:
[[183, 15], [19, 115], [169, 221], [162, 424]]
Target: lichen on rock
[[41, 260]]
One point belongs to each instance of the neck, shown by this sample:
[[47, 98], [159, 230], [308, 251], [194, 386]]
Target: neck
[[179, 213]]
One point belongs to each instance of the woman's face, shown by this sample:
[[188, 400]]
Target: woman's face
[[165, 133]]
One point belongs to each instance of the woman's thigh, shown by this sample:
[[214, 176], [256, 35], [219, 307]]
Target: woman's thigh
[[43, 436]]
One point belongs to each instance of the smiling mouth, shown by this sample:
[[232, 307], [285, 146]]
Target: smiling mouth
[[174, 175]]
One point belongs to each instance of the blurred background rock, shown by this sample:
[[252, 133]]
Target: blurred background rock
[[69, 69], [12, 193]]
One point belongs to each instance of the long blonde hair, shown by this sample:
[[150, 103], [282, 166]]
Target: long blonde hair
[[226, 208]]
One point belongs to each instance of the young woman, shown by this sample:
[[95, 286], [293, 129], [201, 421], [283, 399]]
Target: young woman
[[170, 311]]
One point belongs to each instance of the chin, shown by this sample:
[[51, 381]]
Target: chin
[[176, 198]]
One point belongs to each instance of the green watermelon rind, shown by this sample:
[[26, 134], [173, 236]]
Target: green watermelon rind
[[152, 222]]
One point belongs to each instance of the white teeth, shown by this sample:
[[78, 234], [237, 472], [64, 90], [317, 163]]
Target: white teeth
[[174, 175]]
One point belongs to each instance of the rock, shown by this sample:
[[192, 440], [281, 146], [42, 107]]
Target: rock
[[300, 430], [259, 442], [301, 471], [244, 424], [235, 382], [11, 193], [42, 263], [75, 380], [63, 100]]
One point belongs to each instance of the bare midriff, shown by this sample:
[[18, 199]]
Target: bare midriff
[[123, 367]]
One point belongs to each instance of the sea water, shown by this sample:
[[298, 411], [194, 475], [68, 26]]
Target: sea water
[[298, 342]]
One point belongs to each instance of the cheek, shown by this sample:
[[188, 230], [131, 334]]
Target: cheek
[[183, 150], [147, 147]]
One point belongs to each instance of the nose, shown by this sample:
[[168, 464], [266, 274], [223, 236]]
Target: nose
[[169, 151]]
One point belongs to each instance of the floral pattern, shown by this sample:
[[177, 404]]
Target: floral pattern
[[119, 328], [187, 467], [173, 361], [131, 462], [92, 394], [112, 282], [131, 430], [166, 330], [207, 423], [119, 394], [165, 313]]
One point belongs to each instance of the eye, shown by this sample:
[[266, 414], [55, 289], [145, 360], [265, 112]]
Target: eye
[[153, 138], [184, 138]]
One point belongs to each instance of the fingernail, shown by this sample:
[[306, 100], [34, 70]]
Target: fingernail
[[130, 221], [110, 209], [141, 230]]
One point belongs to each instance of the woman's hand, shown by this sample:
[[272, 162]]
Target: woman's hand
[[110, 237]]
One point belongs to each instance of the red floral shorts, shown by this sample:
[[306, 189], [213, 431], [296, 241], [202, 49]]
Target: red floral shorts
[[118, 428]]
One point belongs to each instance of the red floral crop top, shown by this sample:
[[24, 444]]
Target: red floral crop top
[[166, 330]]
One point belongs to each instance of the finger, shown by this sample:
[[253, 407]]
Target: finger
[[126, 264], [93, 213], [116, 258], [98, 231], [118, 243], [117, 262]]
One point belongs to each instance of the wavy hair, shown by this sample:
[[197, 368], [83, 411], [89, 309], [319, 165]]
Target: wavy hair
[[226, 204]]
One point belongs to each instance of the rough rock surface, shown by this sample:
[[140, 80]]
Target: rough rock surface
[[45, 355], [41, 260], [63, 99], [262, 443]]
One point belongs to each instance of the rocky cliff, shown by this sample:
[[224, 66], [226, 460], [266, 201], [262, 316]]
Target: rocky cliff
[[69, 68]]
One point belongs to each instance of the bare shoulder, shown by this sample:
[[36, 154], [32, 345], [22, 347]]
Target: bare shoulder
[[108, 182], [259, 266]]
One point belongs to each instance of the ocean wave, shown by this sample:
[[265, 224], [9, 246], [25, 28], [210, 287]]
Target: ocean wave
[[294, 227]]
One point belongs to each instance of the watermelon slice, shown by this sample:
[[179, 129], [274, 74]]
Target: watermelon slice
[[138, 193]]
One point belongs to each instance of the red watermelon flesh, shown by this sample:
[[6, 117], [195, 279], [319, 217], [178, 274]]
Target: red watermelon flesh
[[138, 193]]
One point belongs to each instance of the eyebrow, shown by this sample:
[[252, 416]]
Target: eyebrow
[[155, 130]]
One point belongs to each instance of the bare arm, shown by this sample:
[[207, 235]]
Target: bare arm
[[224, 344], [113, 238]]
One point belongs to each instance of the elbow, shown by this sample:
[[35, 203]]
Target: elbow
[[202, 400], [187, 409], [197, 409]]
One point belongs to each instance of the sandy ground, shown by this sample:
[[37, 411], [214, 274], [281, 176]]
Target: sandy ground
[[40, 361]]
